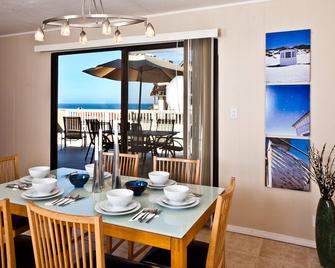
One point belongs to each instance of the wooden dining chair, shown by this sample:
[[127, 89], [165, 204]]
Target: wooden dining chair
[[10, 247], [9, 168], [64, 240], [128, 167], [200, 254], [9, 171], [7, 253], [128, 163], [181, 170]]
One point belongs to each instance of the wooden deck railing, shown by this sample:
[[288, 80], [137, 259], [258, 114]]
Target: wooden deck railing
[[148, 117]]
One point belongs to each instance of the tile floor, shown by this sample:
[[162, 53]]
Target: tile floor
[[244, 251]]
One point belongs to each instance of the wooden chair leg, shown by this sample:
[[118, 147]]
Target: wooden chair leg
[[109, 244], [130, 250]]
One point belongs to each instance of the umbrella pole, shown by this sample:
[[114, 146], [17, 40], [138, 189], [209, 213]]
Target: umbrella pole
[[140, 99]]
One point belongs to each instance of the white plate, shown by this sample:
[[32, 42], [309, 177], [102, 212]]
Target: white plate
[[106, 206], [161, 203], [101, 211], [26, 179], [56, 193], [159, 186], [188, 201]]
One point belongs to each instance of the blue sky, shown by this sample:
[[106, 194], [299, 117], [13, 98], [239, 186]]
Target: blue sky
[[74, 86], [288, 39], [301, 144], [285, 104]]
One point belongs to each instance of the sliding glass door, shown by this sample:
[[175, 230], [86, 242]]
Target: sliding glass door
[[160, 98], [155, 104], [89, 97]]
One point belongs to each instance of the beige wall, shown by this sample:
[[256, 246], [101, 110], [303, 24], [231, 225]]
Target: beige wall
[[25, 97]]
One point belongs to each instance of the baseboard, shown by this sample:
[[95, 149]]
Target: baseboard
[[272, 236]]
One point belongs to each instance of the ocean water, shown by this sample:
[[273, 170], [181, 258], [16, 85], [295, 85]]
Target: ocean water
[[104, 106]]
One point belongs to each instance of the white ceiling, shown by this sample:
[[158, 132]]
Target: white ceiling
[[26, 15]]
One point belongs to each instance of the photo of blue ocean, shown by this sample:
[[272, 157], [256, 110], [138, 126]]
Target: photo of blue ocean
[[103, 106]]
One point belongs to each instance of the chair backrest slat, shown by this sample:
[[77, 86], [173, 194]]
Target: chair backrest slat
[[8, 168], [181, 170], [216, 250], [7, 252], [128, 163], [59, 240]]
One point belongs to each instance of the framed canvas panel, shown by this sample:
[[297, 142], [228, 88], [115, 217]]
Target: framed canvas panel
[[287, 163], [288, 57]]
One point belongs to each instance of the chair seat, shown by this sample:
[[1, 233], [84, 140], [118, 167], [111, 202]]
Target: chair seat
[[196, 256], [115, 261], [24, 252], [19, 222], [112, 261]]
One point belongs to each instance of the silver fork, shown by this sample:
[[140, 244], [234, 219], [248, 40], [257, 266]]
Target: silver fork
[[158, 211], [138, 214], [59, 200], [153, 210], [70, 200]]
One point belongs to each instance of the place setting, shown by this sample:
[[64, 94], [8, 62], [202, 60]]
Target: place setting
[[178, 197], [159, 179], [118, 202], [42, 189], [35, 172]]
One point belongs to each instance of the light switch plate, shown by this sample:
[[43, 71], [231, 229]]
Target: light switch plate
[[233, 113]]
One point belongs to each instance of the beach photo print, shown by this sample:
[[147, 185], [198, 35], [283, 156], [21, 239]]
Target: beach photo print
[[287, 164], [287, 111], [288, 57]]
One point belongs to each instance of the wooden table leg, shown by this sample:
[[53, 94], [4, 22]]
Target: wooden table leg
[[178, 253]]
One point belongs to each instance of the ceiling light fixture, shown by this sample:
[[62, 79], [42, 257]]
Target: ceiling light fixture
[[82, 37], [65, 29], [93, 16], [39, 34], [117, 36]]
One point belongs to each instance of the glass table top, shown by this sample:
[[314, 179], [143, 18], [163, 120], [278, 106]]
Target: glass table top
[[171, 222]]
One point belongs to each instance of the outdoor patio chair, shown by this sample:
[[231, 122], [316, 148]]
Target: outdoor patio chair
[[73, 129], [171, 146], [93, 126], [163, 142], [138, 142]]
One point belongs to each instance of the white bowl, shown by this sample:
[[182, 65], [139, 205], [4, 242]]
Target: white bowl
[[176, 193], [120, 198], [39, 172], [44, 185], [90, 169], [159, 177]]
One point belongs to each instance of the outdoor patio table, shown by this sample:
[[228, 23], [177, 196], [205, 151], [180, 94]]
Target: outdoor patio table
[[154, 134], [172, 230]]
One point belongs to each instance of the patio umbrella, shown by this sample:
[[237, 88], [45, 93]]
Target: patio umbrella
[[142, 68]]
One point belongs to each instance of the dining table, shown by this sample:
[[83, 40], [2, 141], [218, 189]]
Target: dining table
[[172, 229]]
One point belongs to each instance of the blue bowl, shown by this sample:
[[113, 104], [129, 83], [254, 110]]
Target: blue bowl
[[137, 186], [79, 180]]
